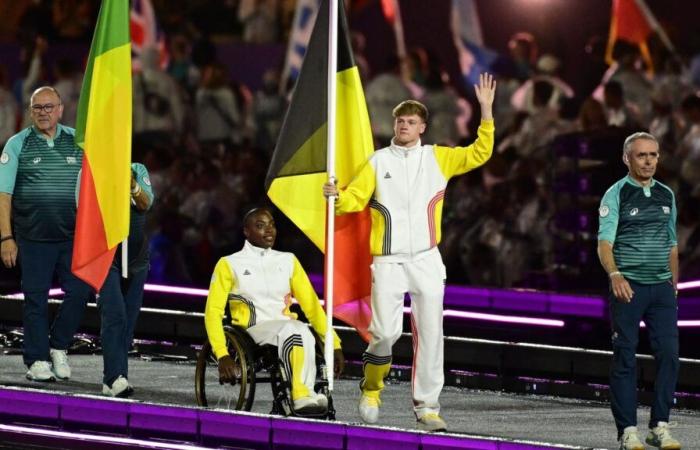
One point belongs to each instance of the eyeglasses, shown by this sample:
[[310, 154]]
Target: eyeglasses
[[47, 108]]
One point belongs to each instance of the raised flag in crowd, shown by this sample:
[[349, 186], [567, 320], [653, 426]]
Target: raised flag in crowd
[[145, 33], [474, 58], [304, 19]]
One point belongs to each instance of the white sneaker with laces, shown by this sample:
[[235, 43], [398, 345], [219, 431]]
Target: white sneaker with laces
[[120, 388], [59, 358], [369, 409], [40, 371], [660, 437], [630, 440], [431, 422]]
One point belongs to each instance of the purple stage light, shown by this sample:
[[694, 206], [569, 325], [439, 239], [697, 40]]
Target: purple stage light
[[64, 436], [500, 318]]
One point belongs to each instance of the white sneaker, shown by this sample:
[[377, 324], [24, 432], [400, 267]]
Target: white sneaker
[[369, 409], [120, 388], [40, 371], [630, 440], [660, 437], [60, 363], [307, 405], [321, 400], [431, 422]]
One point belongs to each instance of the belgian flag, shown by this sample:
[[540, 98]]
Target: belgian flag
[[298, 168]]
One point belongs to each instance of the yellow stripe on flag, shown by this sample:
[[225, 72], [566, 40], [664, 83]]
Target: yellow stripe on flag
[[110, 100]]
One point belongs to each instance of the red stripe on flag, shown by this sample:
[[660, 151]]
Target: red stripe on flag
[[91, 257], [352, 279]]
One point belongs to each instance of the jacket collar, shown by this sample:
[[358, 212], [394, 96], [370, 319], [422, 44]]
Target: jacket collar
[[253, 250]]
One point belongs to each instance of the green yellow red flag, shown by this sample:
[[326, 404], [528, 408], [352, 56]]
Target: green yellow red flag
[[103, 131]]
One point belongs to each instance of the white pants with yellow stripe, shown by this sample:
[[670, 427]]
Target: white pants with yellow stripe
[[295, 348], [424, 280]]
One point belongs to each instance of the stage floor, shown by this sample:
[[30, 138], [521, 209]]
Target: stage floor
[[529, 417]]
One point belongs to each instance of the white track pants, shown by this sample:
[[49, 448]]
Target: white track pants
[[295, 348], [424, 280]]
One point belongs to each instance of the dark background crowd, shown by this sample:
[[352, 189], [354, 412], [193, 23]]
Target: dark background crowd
[[209, 105]]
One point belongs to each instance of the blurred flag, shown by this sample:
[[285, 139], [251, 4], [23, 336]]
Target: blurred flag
[[103, 131], [298, 168], [145, 33], [474, 58], [304, 18], [633, 21]]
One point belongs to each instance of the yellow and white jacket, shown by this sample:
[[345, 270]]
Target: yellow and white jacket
[[405, 188], [259, 285]]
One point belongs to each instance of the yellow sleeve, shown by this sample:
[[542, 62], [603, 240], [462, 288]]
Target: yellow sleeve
[[308, 300], [357, 194], [459, 160], [222, 283]]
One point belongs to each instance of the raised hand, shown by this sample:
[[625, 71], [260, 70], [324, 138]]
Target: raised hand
[[485, 94]]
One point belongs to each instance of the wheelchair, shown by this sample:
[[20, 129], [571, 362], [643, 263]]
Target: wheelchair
[[256, 363]]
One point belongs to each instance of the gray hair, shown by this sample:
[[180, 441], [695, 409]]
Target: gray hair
[[41, 89], [632, 138]]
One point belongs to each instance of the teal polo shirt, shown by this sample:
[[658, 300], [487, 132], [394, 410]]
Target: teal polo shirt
[[640, 222], [40, 173]]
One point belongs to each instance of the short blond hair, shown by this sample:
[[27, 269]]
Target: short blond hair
[[409, 108]]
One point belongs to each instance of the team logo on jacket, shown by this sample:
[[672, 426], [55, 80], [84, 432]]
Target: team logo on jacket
[[634, 212], [5, 158], [37, 160], [604, 211], [246, 272], [71, 160], [387, 176], [666, 209]]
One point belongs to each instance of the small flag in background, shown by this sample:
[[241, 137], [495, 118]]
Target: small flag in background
[[304, 18], [145, 33], [474, 58], [103, 131], [629, 22], [298, 168]]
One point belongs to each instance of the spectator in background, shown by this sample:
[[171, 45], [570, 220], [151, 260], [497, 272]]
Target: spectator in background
[[217, 114], [618, 112], [449, 114], [523, 51], [180, 65], [158, 107], [626, 71], [269, 108], [383, 93], [592, 116], [547, 70], [260, 21], [31, 56], [68, 82], [8, 109], [689, 150]]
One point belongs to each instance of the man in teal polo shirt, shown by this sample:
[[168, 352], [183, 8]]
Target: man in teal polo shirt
[[637, 248], [38, 172]]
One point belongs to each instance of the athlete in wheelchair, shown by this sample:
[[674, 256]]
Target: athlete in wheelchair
[[258, 285]]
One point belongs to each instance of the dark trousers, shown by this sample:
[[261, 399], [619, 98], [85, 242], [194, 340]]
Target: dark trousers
[[39, 261], [656, 304], [119, 303]]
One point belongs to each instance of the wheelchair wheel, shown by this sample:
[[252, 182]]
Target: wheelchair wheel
[[236, 395]]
